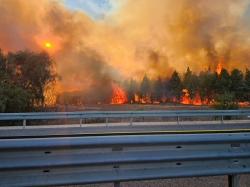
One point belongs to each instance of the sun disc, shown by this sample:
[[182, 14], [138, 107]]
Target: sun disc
[[47, 44]]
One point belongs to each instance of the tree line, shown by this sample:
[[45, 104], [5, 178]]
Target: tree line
[[25, 77], [209, 85]]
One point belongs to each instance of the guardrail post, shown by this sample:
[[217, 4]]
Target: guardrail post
[[178, 120], [131, 121], [24, 123], [107, 120], [81, 122], [222, 120], [116, 184], [232, 180]]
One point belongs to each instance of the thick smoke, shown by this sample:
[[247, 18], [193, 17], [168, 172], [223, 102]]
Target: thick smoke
[[136, 37]]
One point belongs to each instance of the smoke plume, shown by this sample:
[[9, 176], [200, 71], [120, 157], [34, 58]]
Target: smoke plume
[[136, 37]]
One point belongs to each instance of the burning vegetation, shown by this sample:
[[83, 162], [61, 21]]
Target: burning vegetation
[[118, 95], [135, 38], [189, 88]]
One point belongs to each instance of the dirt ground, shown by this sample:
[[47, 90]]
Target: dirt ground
[[134, 107]]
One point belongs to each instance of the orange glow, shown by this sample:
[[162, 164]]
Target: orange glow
[[145, 99], [186, 100], [197, 99], [219, 66], [164, 99], [174, 99], [48, 44], [243, 103], [136, 96], [118, 96]]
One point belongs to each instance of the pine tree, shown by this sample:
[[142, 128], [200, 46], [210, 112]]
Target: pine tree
[[238, 86], [187, 78], [247, 83], [145, 87], [158, 89], [175, 85], [222, 82], [132, 90], [191, 92], [206, 85]]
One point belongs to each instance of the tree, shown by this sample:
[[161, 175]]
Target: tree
[[125, 85], [145, 87], [175, 85], [13, 98], [238, 86], [191, 92], [33, 72], [222, 82], [133, 89], [26, 74], [247, 83], [225, 101], [158, 89], [206, 85], [187, 78]]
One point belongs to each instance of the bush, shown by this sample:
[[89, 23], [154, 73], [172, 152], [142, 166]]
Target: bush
[[225, 102]]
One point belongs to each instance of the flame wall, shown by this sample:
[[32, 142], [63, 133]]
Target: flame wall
[[136, 37]]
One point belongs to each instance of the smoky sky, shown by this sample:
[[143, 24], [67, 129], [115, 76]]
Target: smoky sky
[[135, 38]]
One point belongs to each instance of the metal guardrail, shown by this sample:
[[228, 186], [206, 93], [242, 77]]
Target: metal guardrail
[[98, 159], [128, 114]]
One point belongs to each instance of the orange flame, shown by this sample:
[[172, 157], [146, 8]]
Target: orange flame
[[186, 100], [219, 66], [146, 99], [243, 103], [136, 96], [118, 96]]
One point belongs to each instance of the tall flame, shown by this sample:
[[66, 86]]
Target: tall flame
[[219, 66], [118, 96]]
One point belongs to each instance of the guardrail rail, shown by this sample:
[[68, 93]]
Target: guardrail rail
[[68, 160], [127, 114]]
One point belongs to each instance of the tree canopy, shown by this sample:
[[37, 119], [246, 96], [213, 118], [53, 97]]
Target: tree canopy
[[24, 78], [175, 85]]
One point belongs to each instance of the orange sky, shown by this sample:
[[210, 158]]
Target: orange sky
[[137, 37]]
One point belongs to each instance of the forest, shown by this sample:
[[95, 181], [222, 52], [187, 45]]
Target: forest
[[207, 87], [28, 79], [204, 88]]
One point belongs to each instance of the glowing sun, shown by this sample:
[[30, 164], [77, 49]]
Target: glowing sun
[[48, 45]]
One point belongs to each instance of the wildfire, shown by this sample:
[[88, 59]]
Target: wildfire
[[186, 100], [118, 96], [145, 99], [243, 103], [219, 66]]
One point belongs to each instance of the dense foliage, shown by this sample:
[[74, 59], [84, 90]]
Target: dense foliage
[[211, 87], [225, 90], [24, 78]]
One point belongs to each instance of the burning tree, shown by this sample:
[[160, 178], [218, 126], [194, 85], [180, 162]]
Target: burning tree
[[133, 90]]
